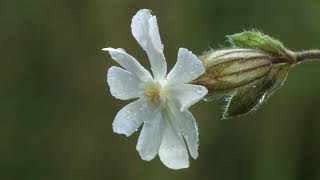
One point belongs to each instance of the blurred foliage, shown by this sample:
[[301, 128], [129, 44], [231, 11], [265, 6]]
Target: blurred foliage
[[56, 109]]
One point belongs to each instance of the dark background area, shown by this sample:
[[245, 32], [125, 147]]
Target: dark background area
[[56, 109]]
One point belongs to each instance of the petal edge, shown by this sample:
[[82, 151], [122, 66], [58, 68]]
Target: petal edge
[[130, 117], [129, 63], [123, 85], [187, 94], [173, 152], [187, 68], [150, 137], [145, 30]]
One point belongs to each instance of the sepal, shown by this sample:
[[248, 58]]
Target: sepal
[[259, 41]]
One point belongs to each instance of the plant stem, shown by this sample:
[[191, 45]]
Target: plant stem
[[309, 55]]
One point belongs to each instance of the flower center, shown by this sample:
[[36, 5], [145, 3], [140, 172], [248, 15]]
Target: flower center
[[153, 92]]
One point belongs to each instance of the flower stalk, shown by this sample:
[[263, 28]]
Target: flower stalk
[[310, 55]]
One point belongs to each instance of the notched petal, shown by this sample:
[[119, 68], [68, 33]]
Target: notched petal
[[123, 85], [129, 63], [145, 30], [187, 68], [173, 152], [130, 118], [187, 94], [187, 125], [150, 137]]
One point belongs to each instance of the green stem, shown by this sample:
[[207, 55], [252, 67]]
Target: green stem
[[309, 55]]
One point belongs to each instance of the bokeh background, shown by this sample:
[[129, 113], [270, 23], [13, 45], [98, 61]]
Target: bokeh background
[[56, 109]]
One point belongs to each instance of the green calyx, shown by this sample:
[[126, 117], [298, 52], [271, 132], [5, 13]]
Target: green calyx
[[248, 99], [259, 41], [247, 73], [251, 70]]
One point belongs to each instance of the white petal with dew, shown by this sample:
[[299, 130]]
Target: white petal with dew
[[130, 118], [145, 30], [189, 129], [187, 68], [150, 137], [173, 152], [187, 94], [123, 84], [129, 63]]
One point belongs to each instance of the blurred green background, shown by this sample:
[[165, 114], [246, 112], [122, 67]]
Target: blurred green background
[[56, 108]]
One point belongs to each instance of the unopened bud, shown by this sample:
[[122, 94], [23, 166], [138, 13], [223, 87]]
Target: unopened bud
[[231, 69], [247, 73]]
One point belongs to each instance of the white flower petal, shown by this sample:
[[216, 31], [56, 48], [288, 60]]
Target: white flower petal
[[129, 63], [145, 30], [173, 152], [123, 85], [187, 94], [189, 129], [150, 137], [187, 68], [129, 118]]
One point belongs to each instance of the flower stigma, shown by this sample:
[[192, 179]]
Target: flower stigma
[[154, 91]]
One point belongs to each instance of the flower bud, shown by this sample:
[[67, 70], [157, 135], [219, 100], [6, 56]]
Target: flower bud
[[248, 73], [230, 69]]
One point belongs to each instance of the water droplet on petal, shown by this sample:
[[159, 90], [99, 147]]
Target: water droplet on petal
[[199, 90], [112, 77]]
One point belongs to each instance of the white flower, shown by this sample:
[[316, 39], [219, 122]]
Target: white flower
[[163, 101]]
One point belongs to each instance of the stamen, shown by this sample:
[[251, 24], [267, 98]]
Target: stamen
[[153, 93]]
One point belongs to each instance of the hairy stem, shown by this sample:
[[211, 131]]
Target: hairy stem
[[309, 55]]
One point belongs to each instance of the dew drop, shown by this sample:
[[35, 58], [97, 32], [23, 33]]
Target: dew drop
[[112, 77], [199, 90]]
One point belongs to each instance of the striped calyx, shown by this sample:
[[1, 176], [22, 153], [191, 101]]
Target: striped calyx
[[230, 69], [246, 74]]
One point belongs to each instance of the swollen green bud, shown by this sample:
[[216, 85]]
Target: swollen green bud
[[257, 40], [264, 43], [231, 69], [250, 71], [247, 76]]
